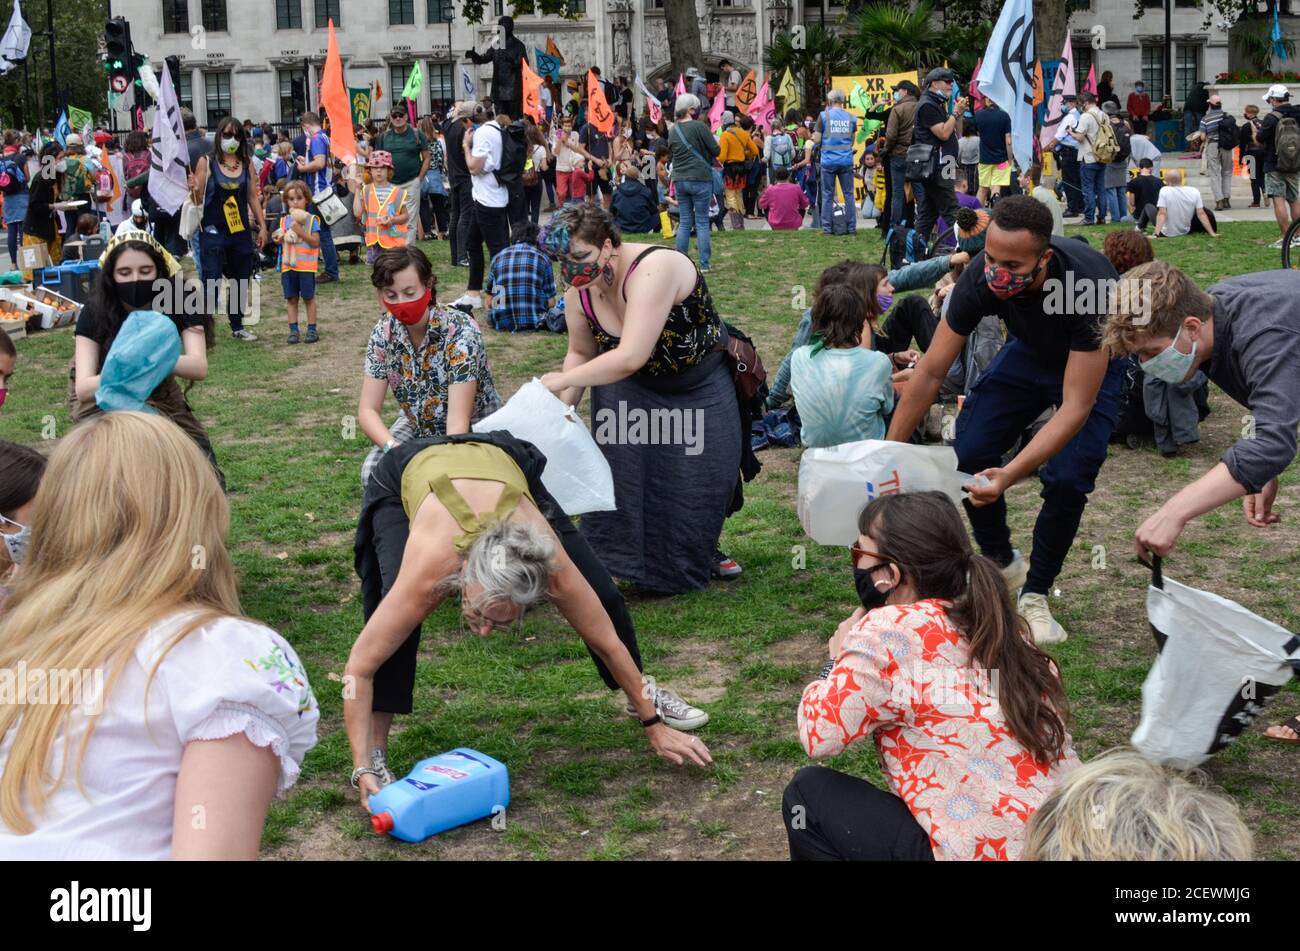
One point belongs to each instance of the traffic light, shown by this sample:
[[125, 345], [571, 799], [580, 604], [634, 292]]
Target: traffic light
[[117, 49], [142, 98]]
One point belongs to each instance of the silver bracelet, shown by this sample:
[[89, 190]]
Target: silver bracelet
[[364, 770]]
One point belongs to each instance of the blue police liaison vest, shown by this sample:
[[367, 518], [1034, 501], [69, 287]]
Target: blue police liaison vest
[[837, 127]]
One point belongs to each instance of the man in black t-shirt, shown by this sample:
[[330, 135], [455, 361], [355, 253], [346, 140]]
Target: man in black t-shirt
[[1052, 294], [936, 195], [1144, 194], [597, 143]]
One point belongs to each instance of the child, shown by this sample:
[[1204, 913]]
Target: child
[[8, 357], [580, 180], [381, 207], [87, 227], [299, 240]]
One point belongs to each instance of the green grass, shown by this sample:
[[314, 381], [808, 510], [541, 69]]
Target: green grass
[[584, 782]]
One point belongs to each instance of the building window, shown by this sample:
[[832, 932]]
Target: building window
[[1153, 71], [440, 11], [214, 16], [401, 12], [327, 10], [440, 81], [184, 89], [176, 16], [293, 93], [1187, 61], [218, 97], [1082, 61], [1078, 6], [288, 14], [398, 74]]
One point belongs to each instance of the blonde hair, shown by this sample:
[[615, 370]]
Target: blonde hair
[[1152, 300], [1121, 807], [129, 526]]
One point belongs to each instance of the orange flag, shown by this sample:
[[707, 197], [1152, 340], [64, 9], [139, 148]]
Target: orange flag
[[334, 100], [598, 111], [1038, 83], [108, 166], [554, 50], [747, 92], [532, 93]]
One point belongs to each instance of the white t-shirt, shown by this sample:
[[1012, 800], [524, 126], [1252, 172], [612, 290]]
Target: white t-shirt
[[230, 676], [1180, 203], [487, 191], [566, 159]]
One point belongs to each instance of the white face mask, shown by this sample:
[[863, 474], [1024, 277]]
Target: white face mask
[[230, 146], [1170, 364], [18, 541]]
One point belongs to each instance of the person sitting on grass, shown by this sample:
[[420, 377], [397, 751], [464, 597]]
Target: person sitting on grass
[[381, 208], [469, 515], [520, 289], [1179, 210], [1144, 194], [8, 360], [21, 469], [635, 208], [432, 358], [1031, 182], [841, 388], [299, 239], [784, 202], [1121, 807], [967, 759], [197, 703]]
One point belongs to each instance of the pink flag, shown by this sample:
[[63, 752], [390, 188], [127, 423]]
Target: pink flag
[[1090, 84], [653, 109], [976, 97], [763, 109], [1062, 85], [715, 114], [681, 85]]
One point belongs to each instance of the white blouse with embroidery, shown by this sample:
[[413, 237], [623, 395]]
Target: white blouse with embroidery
[[230, 676]]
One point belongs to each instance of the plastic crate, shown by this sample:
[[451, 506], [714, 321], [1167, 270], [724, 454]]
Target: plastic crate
[[72, 280]]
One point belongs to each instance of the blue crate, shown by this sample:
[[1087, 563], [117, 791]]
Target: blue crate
[[73, 279]]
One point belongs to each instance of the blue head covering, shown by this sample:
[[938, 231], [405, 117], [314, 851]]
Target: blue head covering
[[143, 355]]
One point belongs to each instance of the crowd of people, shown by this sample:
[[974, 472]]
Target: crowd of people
[[99, 538]]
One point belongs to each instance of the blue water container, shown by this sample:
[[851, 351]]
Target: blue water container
[[442, 792]]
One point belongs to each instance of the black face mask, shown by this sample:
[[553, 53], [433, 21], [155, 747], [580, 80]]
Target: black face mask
[[870, 596], [137, 295]]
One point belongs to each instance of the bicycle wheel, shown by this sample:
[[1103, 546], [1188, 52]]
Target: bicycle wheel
[[1292, 234]]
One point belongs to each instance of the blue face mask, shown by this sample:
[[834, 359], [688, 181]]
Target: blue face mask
[[1170, 365], [17, 542]]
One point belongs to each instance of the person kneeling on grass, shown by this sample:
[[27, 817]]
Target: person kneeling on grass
[[1241, 332], [469, 514], [299, 241], [939, 669]]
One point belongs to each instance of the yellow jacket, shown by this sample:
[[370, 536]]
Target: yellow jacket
[[736, 146]]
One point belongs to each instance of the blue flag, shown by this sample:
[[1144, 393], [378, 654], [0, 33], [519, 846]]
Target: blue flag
[[548, 66], [1007, 76], [1279, 49], [62, 130]]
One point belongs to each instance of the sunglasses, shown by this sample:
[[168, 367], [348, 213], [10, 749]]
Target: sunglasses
[[856, 553]]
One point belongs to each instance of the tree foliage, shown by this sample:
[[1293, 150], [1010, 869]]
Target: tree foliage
[[812, 59], [78, 25]]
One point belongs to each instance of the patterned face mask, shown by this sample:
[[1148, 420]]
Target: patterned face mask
[[1005, 283], [582, 273]]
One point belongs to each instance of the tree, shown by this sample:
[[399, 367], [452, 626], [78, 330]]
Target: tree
[[474, 10], [77, 25], [889, 38], [812, 56], [684, 48], [1050, 19]]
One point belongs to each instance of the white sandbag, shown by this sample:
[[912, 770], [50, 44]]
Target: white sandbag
[[576, 472], [836, 482], [1219, 664]]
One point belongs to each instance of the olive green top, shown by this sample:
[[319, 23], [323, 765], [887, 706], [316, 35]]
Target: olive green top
[[431, 471]]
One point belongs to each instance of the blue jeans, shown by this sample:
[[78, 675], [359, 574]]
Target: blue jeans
[[197, 254], [1094, 191], [329, 255], [1117, 203], [693, 205], [897, 185], [845, 177], [1006, 399]]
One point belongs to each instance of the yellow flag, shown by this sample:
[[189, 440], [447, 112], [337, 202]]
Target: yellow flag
[[788, 92]]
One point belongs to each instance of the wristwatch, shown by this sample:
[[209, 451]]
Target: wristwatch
[[390, 444]]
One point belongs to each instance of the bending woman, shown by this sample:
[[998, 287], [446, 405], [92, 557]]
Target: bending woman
[[469, 514], [644, 335], [968, 754]]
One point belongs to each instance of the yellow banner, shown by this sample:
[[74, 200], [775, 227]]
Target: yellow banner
[[863, 94]]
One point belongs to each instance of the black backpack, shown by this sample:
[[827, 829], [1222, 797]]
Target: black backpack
[[1228, 132], [1123, 135], [840, 213], [514, 148], [905, 246]]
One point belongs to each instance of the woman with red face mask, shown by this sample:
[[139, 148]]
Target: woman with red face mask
[[432, 358]]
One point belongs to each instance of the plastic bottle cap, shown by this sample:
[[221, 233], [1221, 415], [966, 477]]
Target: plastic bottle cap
[[382, 822]]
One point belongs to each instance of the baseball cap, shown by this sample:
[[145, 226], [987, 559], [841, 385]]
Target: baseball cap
[[380, 159], [1215, 100], [1277, 91], [692, 72], [906, 85], [74, 139]]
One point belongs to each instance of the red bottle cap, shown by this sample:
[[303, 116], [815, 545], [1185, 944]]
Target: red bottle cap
[[382, 822]]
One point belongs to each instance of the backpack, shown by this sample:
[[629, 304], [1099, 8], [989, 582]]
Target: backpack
[[840, 218], [12, 179], [782, 150], [1286, 142], [530, 171], [1123, 137], [1228, 132], [905, 246], [77, 180], [1105, 146], [514, 149], [1132, 419]]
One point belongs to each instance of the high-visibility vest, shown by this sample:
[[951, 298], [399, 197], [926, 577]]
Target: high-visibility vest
[[394, 236], [300, 256]]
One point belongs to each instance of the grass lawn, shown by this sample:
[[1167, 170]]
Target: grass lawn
[[585, 784]]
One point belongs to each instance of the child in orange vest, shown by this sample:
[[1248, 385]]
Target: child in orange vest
[[381, 207], [299, 240]]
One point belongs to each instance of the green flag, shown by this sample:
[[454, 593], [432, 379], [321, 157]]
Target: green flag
[[359, 99], [78, 119], [414, 83]]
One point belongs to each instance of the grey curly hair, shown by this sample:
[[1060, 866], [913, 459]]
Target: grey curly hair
[[510, 561]]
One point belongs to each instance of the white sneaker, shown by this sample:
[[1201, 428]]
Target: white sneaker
[[468, 300], [676, 712], [1034, 609], [1017, 572], [244, 335]]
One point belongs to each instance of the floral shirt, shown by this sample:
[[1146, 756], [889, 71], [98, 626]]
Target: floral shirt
[[904, 677], [420, 377]]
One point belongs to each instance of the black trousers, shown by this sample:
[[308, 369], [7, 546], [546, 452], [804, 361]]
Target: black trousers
[[394, 685], [910, 319], [936, 197], [1069, 160], [833, 817], [462, 212], [433, 211], [490, 225], [533, 201]]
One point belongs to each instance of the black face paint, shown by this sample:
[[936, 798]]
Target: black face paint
[[870, 596]]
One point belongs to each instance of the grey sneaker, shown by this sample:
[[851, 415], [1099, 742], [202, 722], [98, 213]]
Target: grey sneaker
[[379, 762], [676, 712], [244, 335], [1016, 573]]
